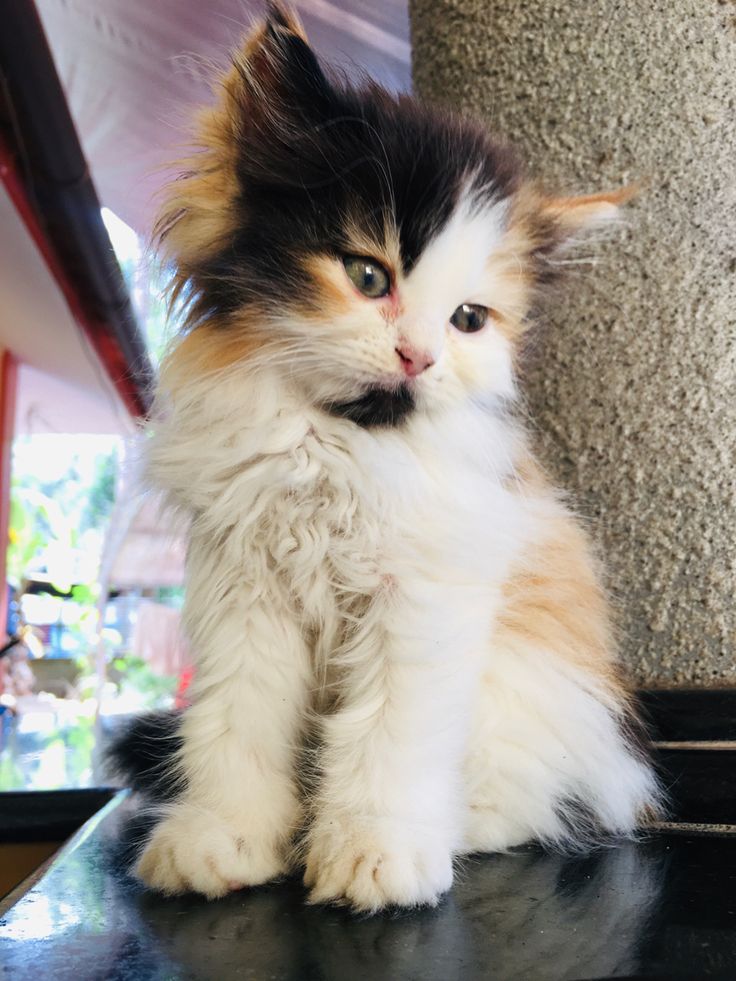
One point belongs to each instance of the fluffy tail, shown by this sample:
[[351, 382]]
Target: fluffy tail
[[145, 755]]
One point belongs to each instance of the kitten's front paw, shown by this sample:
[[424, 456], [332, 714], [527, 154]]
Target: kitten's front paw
[[193, 850], [370, 865]]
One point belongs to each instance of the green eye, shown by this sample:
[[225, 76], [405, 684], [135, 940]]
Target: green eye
[[367, 276], [469, 317]]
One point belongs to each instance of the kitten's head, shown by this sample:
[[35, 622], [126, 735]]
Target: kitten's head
[[379, 253]]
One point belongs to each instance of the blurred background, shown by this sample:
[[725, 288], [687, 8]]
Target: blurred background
[[94, 103]]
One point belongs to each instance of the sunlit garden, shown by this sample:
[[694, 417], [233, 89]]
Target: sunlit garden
[[94, 586]]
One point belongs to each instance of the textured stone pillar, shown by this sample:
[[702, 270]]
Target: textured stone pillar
[[633, 380]]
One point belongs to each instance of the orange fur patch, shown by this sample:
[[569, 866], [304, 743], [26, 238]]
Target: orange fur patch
[[196, 217], [554, 598], [333, 295], [578, 212], [205, 351]]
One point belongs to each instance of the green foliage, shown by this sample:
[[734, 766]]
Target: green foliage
[[62, 757], [12, 776], [170, 596], [101, 495], [86, 595], [25, 535], [79, 744], [49, 519], [135, 673]]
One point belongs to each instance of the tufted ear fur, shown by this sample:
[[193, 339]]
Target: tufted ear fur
[[543, 227], [569, 218], [274, 84]]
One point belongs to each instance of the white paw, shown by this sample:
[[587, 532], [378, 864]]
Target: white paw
[[193, 850], [370, 864]]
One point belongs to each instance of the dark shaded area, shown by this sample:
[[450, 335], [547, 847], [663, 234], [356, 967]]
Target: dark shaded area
[[48, 815], [376, 407], [124, 849], [142, 754], [690, 714], [700, 784]]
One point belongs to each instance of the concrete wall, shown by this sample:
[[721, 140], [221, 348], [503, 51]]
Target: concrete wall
[[633, 380]]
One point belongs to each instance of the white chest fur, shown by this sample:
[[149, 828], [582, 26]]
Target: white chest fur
[[317, 506]]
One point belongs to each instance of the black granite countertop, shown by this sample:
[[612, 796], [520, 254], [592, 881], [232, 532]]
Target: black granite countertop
[[660, 908], [664, 907]]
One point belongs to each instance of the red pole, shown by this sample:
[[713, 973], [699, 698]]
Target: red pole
[[8, 390]]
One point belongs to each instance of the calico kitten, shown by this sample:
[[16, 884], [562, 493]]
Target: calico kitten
[[376, 564]]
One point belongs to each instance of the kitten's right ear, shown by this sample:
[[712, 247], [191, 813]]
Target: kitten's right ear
[[274, 81], [278, 71]]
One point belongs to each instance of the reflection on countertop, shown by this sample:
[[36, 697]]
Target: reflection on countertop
[[664, 907]]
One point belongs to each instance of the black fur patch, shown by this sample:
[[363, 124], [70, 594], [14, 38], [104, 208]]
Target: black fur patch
[[144, 753], [377, 407], [316, 156], [133, 834]]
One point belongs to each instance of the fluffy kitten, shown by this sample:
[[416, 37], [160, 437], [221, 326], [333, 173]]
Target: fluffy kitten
[[376, 567]]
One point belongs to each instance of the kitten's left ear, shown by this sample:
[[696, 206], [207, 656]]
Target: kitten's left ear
[[568, 219]]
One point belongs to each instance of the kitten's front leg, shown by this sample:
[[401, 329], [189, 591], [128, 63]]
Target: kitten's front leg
[[387, 820], [239, 808]]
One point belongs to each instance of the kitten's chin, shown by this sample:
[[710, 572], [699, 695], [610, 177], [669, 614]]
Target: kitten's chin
[[377, 407]]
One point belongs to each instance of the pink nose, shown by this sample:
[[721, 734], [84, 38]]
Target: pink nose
[[414, 362]]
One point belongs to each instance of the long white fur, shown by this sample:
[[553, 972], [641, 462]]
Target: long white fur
[[357, 573]]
